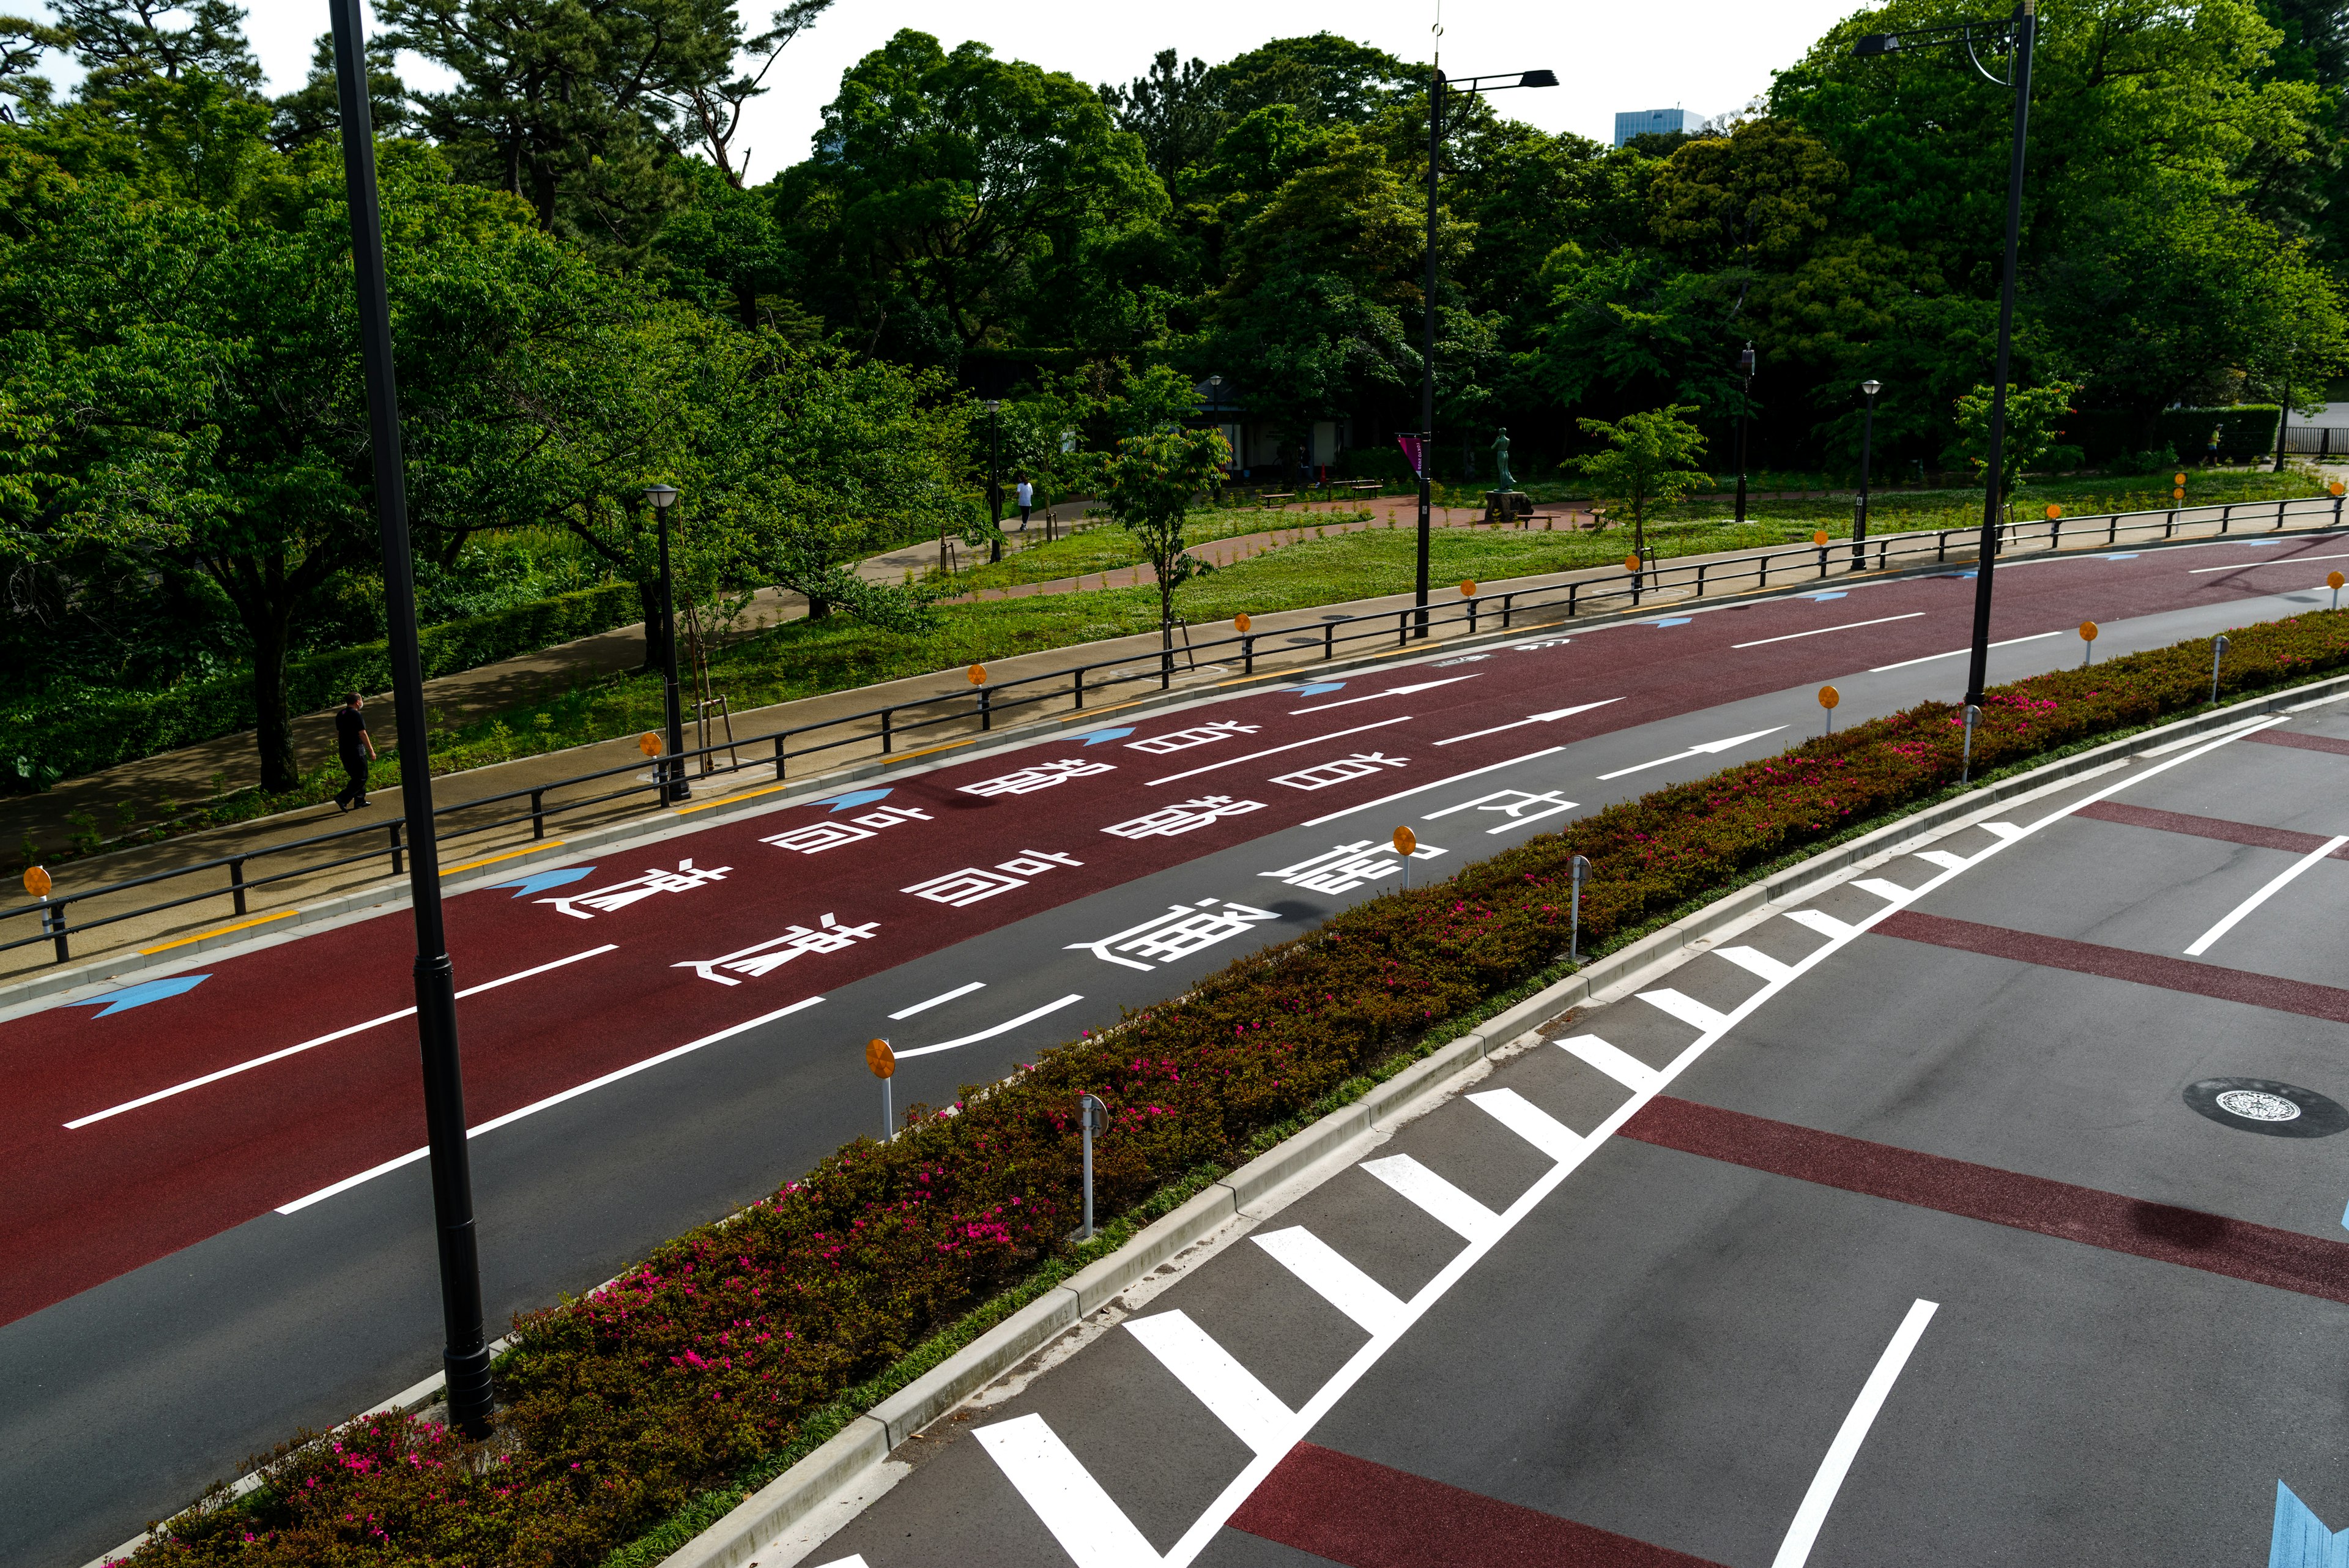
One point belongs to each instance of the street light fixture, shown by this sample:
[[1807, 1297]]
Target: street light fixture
[[2014, 36], [671, 769], [1437, 87], [994, 480], [465, 1355], [1868, 389]]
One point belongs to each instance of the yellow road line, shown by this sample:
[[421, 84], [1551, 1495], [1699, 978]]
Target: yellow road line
[[746, 795], [200, 936], [493, 859]]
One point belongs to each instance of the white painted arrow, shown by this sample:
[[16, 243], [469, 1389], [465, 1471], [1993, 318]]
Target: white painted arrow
[[1536, 719], [1390, 691], [1698, 750]]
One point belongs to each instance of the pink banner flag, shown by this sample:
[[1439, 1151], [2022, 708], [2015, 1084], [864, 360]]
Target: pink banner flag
[[1412, 450]]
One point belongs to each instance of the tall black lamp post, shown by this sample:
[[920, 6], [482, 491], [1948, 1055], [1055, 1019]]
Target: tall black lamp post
[[466, 1354], [2014, 35], [1868, 389], [1744, 402], [1438, 86], [994, 478], [671, 770]]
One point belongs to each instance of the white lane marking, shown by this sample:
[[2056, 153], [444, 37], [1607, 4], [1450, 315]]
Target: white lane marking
[[853, 1560], [1822, 632], [2285, 561], [1230, 1391], [1371, 1304], [1093, 1529], [1752, 960], [1438, 1198], [1705, 749], [2006, 830], [1686, 1009], [1616, 1063], [2005, 642], [1941, 858], [2258, 721], [1892, 892], [1551, 717], [2203, 943], [1826, 925], [1439, 783], [1275, 751], [1800, 1535], [1204, 1529], [1029, 1017], [673, 1052], [328, 1039], [2318, 702], [938, 1001], [1530, 1122], [1390, 691]]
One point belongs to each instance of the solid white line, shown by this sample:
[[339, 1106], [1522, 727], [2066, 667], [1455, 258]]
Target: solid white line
[[1093, 1529], [1752, 960], [1686, 1009], [2008, 642], [1530, 1122], [342, 1033], [1275, 751], [673, 1052], [1390, 691], [2318, 702], [1822, 632], [1706, 748], [1536, 718], [1437, 1198], [2203, 943], [1439, 783], [2281, 561], [1029, 1017], [1371, 1304], [1826, 925], [938, 1001], [2180, 745], [1230, 1392], [1800, 1535], [1617, 1064]]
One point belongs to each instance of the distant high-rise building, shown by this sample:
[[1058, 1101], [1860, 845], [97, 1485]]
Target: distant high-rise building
[[1650, 122]]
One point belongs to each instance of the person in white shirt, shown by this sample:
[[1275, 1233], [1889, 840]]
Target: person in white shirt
[[1027, 500]]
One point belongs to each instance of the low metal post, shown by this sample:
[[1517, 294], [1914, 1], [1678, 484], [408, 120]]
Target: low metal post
[[53, 920], [2169, 523], [1508, 606], [1078, 683], [2280, 507], [986, 708], [1762, 571], [2226, 515], [779, 748], [1823, 561], [888, 1116], [1966, 768], [1248, 655], [2112, 529], [538, 813], [1329, 640], [236, 882], [1574, 915], [1092, 1116], [2218, 651], [1472, 618]]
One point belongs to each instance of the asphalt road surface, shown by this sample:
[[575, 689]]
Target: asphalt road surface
[[219, 1223], [1986, 1209]]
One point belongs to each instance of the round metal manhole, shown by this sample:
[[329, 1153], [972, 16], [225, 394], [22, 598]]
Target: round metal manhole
[[2264, 1106]]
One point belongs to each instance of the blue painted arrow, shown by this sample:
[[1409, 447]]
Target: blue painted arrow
[[2300, 1539], [1317, 691], [1675, 620], [1822, 599], [857, 797], [2126, 555], [143, 993], [540, 881], [1098, 736]]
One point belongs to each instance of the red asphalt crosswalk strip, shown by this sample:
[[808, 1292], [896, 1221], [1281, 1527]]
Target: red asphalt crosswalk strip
[[2236, 1249], [2271, 992], [2301, 743], [1367, 1515], [2218, 827]]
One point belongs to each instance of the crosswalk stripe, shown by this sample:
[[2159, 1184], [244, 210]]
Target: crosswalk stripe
[[2006, 830], [1892, 892], [1371, 1304], [1619, 1065], [1752, 960], [853, 1560], [1686, 1009], [1431, 1192], [1943, 859], [1093, 1531], [1530, 1122], [1826, 925], [1230, 1391]]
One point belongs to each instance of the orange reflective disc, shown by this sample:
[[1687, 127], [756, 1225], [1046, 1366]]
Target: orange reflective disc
[[37, 879], [880, 1058], [1829, 696], [1405, 840], [650, 743], [979, 675]]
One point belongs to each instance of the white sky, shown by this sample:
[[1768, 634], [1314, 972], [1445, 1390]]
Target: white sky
[[1709, 55]]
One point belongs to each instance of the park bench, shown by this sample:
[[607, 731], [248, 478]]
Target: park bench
[[1276, 498]]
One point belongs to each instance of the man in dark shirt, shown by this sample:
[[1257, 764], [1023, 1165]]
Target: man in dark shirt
[[357, 751]]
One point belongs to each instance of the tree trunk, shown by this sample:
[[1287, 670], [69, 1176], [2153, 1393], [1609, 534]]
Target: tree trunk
[[817, 608], [273, 726]]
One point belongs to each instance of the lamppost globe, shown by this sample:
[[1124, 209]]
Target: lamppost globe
[[662, 496], [1871, 387], [993, 404]]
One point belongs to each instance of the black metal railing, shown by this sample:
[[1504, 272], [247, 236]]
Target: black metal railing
[[892, 726]]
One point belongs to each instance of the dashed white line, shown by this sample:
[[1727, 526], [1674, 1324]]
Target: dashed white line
[[1093, 1529], [2280, 561], [1439, 783], [1943, 859], [2009, 642], [1704, 748], [1891, 892], [1530, 1122], [1752, 960], [1371, 1304], [1686, 1009], [1548, 717], [1616, 1063], [1275, 751], [1005, 1028], [1390, 691], [1437, 1198], [1823, 630], [1826, 925], [938, 1001], [1230, 1392]]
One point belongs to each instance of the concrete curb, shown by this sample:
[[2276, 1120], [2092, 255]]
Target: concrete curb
[[869, 1439]]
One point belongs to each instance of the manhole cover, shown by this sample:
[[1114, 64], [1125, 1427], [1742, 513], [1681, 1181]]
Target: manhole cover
[[2263, 1105]]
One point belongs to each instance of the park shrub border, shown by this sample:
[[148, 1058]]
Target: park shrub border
[[93, 730], [630, 1414]]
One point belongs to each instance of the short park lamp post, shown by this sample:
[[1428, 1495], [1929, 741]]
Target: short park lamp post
[[669, 772], [1868, 389]]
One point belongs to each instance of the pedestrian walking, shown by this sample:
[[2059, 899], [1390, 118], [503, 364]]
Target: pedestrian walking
[[1027, 501], [357, 751]]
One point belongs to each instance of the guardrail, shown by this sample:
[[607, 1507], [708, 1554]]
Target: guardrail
[[895, 723]]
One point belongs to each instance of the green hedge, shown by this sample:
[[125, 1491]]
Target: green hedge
[[2246, 431], [696, 1371], [91, 729]]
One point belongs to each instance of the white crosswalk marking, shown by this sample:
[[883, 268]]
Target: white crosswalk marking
[[1943, 859], [1370, 1304], [1530, 1122], [1752, 960], [1826, 925], [1686, 1009], [1093, 1531], [2006, 830], [1620, 1065], [1431, 1192], [1891, 891], [853, 1560], [1230, 1391]]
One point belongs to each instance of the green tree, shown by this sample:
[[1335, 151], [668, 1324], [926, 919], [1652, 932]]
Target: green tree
[[1648, 461], [1150, 487], [23, 42], [2032, 432], [1175, 111]]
